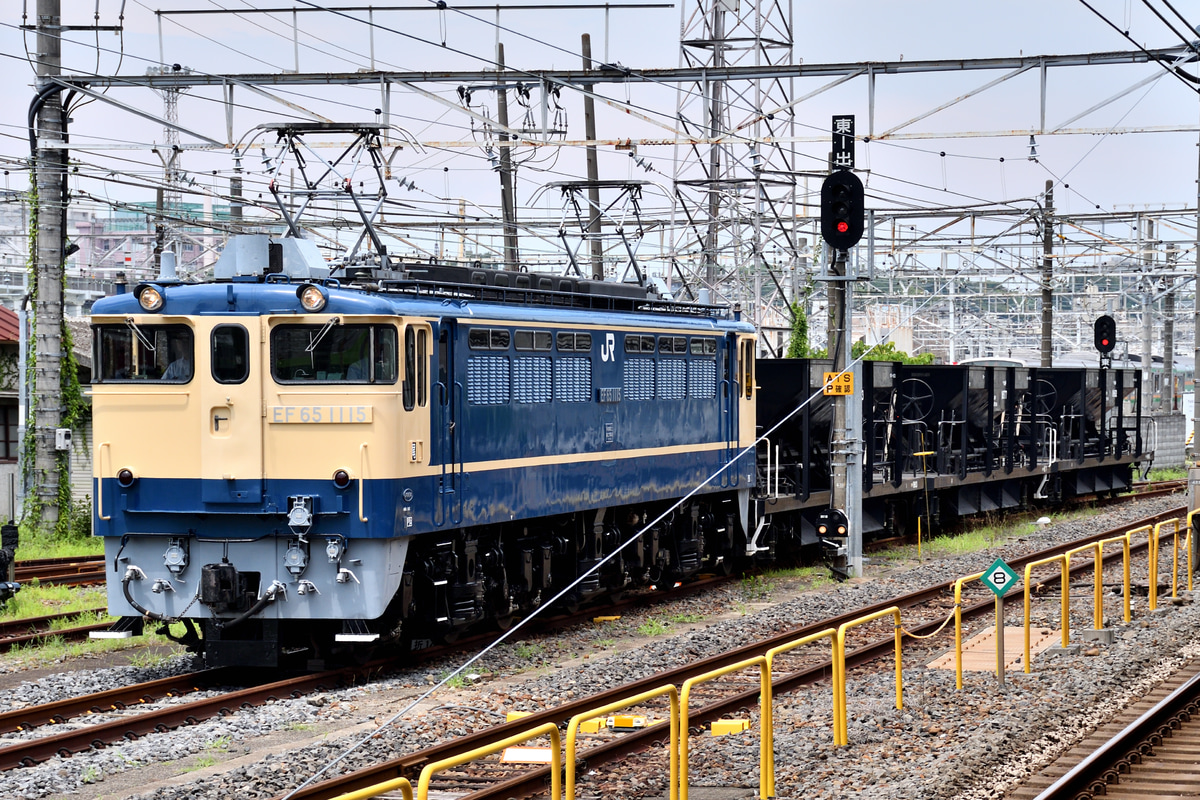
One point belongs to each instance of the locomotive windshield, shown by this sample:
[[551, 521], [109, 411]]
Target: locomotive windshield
[[133, 352], [333, 354]]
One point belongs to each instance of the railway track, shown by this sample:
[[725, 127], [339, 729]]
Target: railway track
[[72, 571], [1149, 750], [36, 630], [532, 781], [143, 694]]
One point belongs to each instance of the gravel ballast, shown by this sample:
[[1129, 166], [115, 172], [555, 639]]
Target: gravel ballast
[[973, 743]]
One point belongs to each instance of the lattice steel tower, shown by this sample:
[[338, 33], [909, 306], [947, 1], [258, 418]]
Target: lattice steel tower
[[736, 211]]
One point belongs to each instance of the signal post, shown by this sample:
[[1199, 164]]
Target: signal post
[[842, 213]]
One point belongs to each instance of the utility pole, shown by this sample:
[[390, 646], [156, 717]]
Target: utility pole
[[1147, 250], [1169, 333], [507, 199], [50, 169], [593, 169], [1048, 277]]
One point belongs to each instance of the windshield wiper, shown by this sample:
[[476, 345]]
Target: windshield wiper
[[321, 334], [149, 345]]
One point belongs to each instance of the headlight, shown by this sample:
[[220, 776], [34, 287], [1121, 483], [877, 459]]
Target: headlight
[[341, 479], [149, 297], [125, 477], [312, 297]]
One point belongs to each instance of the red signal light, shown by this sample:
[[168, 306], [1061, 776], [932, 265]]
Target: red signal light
[[843, 226]]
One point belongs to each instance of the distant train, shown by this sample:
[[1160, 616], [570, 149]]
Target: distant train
[[299, 467]]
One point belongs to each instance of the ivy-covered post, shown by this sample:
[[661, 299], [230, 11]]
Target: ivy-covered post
[[46, 275]]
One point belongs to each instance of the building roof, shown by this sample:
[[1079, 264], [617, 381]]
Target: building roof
[[10, 330]]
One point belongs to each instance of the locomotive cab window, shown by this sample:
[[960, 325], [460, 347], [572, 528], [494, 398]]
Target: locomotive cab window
[[415, 389], [230, 354], [333, 353], [748, 368], [153, 353]]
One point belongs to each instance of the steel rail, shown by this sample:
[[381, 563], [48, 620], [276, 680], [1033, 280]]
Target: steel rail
[[1090, 777], [10, 628], [75, 634], [60, 711], [534, 781], [33, 751]]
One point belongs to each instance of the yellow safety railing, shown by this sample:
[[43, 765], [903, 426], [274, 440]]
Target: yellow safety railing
[[573, 732], [548, 729], [765, 740], [768, 706], [1156, 543], [1097, 548], [1191, 529], [380, 788], [1066, 601], [1149, 531], [841, 735], [958, 663]]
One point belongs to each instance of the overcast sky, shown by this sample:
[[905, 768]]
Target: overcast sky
[[1109, 171]]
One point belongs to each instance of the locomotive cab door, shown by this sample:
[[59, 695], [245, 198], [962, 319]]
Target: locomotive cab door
[[447, 444], [229, 374]]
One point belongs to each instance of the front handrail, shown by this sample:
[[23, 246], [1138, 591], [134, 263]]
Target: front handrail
[[362, 478], [100, 483]]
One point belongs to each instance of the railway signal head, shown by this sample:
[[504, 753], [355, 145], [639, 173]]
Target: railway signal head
[[842, 210], [1106, 333], [832, 522]]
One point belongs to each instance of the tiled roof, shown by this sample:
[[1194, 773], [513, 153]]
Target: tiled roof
[[9, 329]]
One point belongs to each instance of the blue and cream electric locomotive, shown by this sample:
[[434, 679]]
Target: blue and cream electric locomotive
[[291, 464]]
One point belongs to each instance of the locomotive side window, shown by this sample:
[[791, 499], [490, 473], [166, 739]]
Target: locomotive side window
[[747, 368], [672, 345], [154, 353], [574, 342], [487, 339], [422, 367], [230, 354], [334, 354], [704, 347], [410, 368], [639, 344], [533, 340], [415, 389]]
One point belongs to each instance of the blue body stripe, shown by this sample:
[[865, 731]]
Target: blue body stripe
[[173, 506]]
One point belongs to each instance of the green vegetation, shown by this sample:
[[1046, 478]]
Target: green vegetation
[[604, 642], [527, 651], [91, 774], [687, 619], [798, 341], [458, 681], [756, 587], [36, 542], [202, 762], [1168, 474], [887, 352], [652, 627], [35, 600]]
